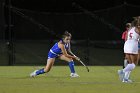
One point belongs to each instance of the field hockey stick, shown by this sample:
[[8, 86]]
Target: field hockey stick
[[84, 65]]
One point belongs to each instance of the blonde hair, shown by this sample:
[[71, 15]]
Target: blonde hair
[[136, 21]]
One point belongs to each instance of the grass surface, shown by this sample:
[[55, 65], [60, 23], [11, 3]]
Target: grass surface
[[100, 79]]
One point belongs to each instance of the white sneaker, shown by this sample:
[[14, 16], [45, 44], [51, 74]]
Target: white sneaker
[[74, 75], [33, 74], [127, 81], [121, 74]]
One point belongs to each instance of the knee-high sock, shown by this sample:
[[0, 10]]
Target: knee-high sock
[[41, 71], [127, 75], [127, 70], [129, 67], [71, 66]]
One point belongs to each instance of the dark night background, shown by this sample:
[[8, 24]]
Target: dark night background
[[94, 19], [28, 28], [66, 5]]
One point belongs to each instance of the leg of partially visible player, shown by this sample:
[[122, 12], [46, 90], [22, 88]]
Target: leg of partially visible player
[[125, 61], [49, 65], [138, 58], [71, 65]]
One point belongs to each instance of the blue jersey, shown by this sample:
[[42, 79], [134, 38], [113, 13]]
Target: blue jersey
[[139, 45], [55, 51]]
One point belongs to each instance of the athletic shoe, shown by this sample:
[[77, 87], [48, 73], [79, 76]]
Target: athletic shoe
[[127, 81], [74, 75], [33, 74], [121, 74]]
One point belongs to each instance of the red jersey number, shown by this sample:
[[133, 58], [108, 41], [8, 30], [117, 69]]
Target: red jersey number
[[130, 35]]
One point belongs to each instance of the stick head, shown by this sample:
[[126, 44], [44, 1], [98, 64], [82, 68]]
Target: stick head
[[87, 69]]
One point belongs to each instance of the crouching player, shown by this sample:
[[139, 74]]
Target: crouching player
[[59, 50]]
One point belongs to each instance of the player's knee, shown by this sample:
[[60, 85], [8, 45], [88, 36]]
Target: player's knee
[[70, 59], [47, 69]]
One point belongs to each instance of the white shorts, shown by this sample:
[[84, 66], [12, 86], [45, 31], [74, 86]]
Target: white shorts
[[131, 47]]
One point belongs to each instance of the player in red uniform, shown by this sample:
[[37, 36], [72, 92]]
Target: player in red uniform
[[124, 38]]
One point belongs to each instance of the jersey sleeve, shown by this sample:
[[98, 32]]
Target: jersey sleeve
[[124, 35]]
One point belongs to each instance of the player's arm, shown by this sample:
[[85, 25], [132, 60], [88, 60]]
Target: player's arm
[[126, 35], [69, 50], [65, 52], [123, 36]]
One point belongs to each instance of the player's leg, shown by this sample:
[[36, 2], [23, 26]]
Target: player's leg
[[134, 58], [125, 62], [49, 65], [121, 72], [127, 56], [129, 68], [138, 57], [71, 65]]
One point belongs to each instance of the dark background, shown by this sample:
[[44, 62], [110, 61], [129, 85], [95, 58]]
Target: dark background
[[29, 28], [64, 6], [83, 18]]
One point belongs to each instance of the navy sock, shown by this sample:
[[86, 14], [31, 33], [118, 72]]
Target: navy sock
[[71, 65], [41, 71]]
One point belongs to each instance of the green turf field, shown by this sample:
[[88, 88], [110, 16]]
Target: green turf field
[[100, 79]]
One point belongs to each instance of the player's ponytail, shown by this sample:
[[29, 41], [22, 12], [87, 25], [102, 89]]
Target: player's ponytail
[[66, 34], [136, 21]]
